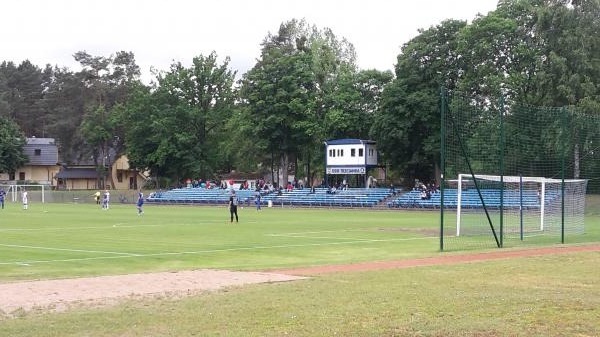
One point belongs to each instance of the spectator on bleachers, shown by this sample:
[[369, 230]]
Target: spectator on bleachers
[[392, 189]]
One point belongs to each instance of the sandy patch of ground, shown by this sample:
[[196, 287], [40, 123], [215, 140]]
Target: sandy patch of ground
[[442, 260], [58, 295]]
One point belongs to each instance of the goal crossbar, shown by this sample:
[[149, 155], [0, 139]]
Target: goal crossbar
[[541, 183]]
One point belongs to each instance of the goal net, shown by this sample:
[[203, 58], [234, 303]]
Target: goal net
[[14, 193], [514, 174], [519, 207]]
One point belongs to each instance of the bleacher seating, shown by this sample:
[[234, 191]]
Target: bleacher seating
[[199, 196], [351, 197], [469, 199]]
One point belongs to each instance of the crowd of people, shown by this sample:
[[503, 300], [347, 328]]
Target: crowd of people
[[426, 190]]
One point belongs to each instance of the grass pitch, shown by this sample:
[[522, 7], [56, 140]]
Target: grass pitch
[[536, 296], [69, 240]]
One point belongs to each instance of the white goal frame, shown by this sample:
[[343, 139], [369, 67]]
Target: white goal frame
[[13, 191], [509, 179]]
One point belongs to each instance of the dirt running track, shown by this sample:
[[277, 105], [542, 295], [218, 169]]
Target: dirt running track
[[59, 295], [442, 260]]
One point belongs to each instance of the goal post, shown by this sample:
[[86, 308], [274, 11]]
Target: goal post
[[14, 192], [512, 173], [528, 205]]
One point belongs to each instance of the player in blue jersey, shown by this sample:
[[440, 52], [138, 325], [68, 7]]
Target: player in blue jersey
[[2, 195], [140, 202]]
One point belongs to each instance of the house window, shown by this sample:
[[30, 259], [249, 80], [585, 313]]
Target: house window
[[37, 152], [370, 152], [341, 152], [21, 175], [332, 153], [352, 152], [360, 152], [11, 176], [120, 176]]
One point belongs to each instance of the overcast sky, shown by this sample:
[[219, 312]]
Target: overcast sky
[[159, 32]]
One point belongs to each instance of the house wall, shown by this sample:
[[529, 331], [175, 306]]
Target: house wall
[[80, 184], [39, 174], [123, 177]]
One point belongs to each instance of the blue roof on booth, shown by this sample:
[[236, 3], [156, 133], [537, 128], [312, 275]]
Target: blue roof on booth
[[348, 141]]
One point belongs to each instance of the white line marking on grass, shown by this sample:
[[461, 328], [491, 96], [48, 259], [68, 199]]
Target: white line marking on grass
[[117, 225], [356, 239], [316, 232], [209, 251], [63, 228], [305, 236], [67, 250], [321, 237]]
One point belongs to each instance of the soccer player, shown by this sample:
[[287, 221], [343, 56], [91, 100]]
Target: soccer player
[[140, 202], [2, 195], [105, 199], [97, 197], [233, 204], [25, 200], [257, 201]]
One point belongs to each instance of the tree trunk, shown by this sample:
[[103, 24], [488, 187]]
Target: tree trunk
[[283, 169], [438, 174], [274, 176], [308, 183], [576, 162]]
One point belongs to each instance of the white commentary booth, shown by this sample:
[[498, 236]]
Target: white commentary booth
[[349, 160]]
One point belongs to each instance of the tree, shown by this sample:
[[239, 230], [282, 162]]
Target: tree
[[569, 69], [64, 100], [174, 129], [12, 142], [355, 103], [407, 126], [107, 82], [22, 96], [500, 53], [278, 92], [287, 93]]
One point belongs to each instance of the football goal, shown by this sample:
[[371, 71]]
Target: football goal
[[14, 192], [513, 174], [518, 206]]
